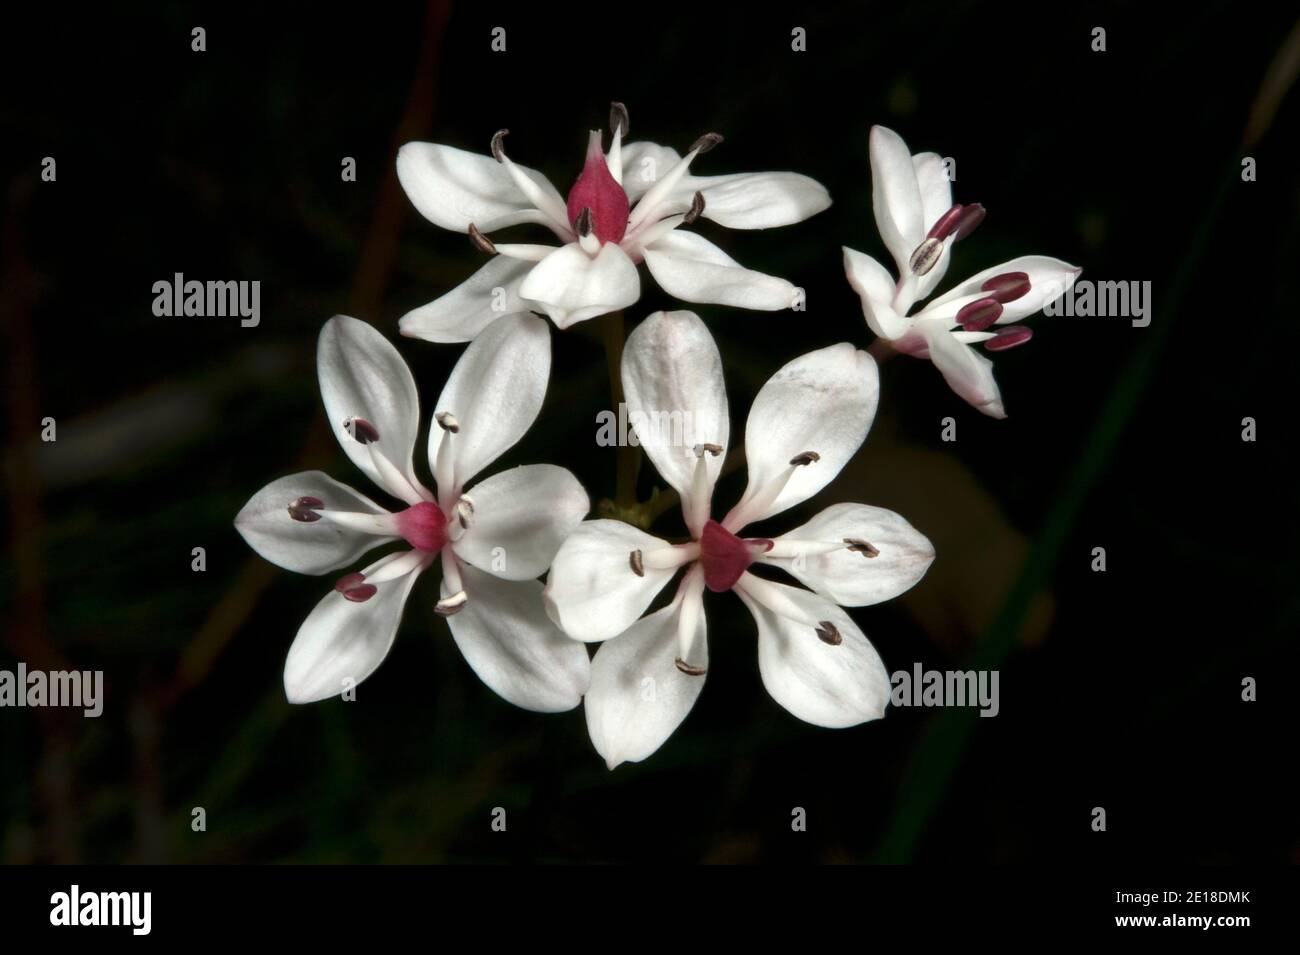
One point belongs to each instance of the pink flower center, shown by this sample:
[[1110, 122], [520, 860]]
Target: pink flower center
[[598, 191], [424, 526], [724, 556]]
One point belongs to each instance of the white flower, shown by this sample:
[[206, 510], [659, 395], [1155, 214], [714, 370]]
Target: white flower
[[604, 235], [494, 539], [805, 424], [912, 199]]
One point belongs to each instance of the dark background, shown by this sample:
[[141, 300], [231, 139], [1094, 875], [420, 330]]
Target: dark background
[[1119, 689]]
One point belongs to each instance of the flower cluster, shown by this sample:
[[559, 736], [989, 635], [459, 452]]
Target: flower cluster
[[495, 538]]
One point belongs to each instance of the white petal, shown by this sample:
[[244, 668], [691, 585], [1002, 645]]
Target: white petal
[[520, 519], [494, 392], [967, 372], [895, 195], [592, 591], [936, 199], [833, 686], [342, 642], [572, 286], [757, 200], [453, 188], [848, 577], [676, 399], [643, 164], [936, 188], [693, 269], [1049, 279], [876, 289], [458, 316], [363, 376], [638, 697], [512, 645], [746, 200], [315, 547], [822, 402]]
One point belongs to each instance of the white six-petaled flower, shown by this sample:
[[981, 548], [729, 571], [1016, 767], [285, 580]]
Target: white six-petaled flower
[[494, 539], [918, 222], [625, 208], [805, 424]]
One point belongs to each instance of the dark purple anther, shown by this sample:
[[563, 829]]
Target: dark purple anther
[[1009, 338], [359, 595], [1008, 286], [349, 582], [979, 315], [304, 509], [362, 430], [957, 223]]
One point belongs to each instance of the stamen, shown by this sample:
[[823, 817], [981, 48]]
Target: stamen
[[636, 563], [382, 524], [542, 201], [957, 223], [979, 315], [1009, 338], [359, 595], [668, 558], [1008, 286], [618, 119], [828, 634], [348, 582], [464, 511], [481, 242], [752, 505], [444, 465], [925, 256], [361, 430], [691, 606], [582, 224], [859, 546], [304, 509], [648, 207], [451, 605], [498, 151], [647, 235], [705, 143], [698, 503], [694, 212]]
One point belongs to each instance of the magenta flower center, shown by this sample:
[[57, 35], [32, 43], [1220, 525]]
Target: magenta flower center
[[424, 526], [724, 556], [597, 190]]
